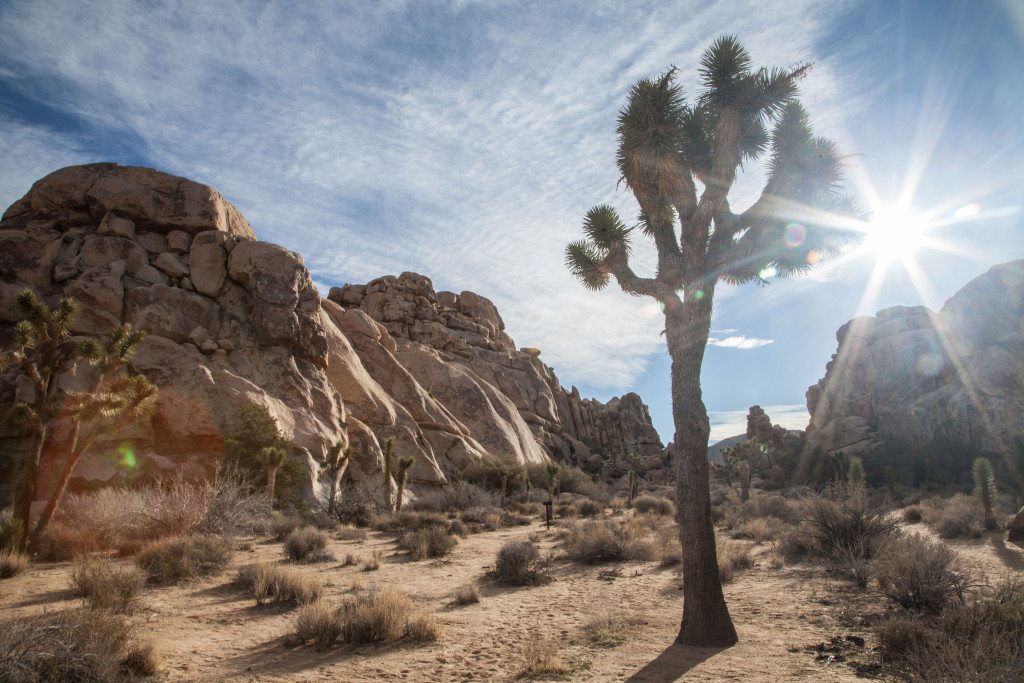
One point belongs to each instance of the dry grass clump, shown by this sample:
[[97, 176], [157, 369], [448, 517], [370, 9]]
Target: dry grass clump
[[461, 495], [281, 525], [541, 659], [372, 564], [960, 517], [185, 558], [654, 505], [519, 563], [979, 640], [733, 557], [589, 508], [105, 584], [383, 616], [73, 645], [527, 507], [761, 506], [482, 518], [428, 542], [468, 594], [350, 533], [12, 563], [307, 544], [760, 529], [917, 573], [272, 583], [913, 514], [608, 540], [611, 629]]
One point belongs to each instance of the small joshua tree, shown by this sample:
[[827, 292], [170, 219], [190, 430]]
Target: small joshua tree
[[855, 472], [743, 474], [553, 473], [985, 489], [272, 458], [389, 465], [335, 460], [404, 465], [633, 486]]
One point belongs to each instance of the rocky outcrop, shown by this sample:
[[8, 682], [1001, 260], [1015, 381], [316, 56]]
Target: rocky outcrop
[[232, 320], [908, 375]]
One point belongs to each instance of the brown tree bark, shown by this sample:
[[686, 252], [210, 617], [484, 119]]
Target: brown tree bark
[[27, 487], [271, 482], [706, 621]]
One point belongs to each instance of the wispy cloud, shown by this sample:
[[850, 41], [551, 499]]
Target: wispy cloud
[[726, 423], [739, 342], [458, 141]]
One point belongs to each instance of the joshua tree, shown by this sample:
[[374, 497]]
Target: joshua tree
[[553, 472], [743, 474], [404, 464], [668, 150], [632, 487], [272, 458], [508, 476], [43, 351], [389, 465], [335, 460], [985, 489], [855, 472]]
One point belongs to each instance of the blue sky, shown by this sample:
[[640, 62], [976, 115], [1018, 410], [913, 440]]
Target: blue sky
[[466, 140]]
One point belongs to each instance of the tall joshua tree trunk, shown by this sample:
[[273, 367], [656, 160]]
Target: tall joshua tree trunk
[[27, 486], [706, 616]]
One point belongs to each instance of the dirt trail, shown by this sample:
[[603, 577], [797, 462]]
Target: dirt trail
[[211, 631]]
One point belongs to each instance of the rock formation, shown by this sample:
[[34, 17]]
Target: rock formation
[[908, 375], [232, 320]]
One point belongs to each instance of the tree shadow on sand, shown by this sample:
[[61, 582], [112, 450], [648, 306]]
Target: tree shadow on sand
[[1012, 557], [674, 663]]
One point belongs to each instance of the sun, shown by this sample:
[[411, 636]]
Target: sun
[[895, 233]]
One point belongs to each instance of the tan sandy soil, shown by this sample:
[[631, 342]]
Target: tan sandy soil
[[212, 631]]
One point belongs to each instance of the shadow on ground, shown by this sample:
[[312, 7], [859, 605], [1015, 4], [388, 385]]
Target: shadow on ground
[[674, 663]]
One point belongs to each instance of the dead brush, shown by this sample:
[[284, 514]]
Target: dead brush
[[541, 660], [519, 563], [12, 563], [270, 583], [186, 558], [608, 540], [468, 594], [428, 542], [733, 557], [919, 574], [105, 584], [307, 544]]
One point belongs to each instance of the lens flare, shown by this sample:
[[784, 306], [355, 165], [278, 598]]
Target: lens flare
[[967, 211], [768, 272], [813, 257], [794, 235], [127, 457], [699, 294]]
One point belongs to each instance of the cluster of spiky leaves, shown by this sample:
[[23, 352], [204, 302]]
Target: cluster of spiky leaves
[[668, 147]]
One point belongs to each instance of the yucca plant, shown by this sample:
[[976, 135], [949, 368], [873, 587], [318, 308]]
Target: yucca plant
[[272, 458], [553, 472], [404, 465], [335, 460], [680, 160], [855, 472], [985, 490]]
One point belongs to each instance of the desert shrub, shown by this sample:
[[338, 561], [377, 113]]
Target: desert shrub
[[611, 629], [423, 628], [282, 524], [919, 574], [237, 505], [319, 624], [72, 645], [589, 508], [350, 533], [185, 558], [468, 594], [518, 563], [527, 507], [571, 479], [913, 514], [271, 583], [375, 617], [541, 659], [961, 517], [306, 544], [60, 543], [321, 520], [408, 520], [10, 531], [359, 505], [461, 495], [654, 505], [567, 510], [795, 545], [608, 540], [760, 529], [733, 557], [372, 564], [141, 661], [762, 506], [846, 528], [258, 429], [12, 563], [509, 518], [105, 584], [486, 517], [431, 541]]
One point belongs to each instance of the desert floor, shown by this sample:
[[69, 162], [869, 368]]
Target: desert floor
[[787, 618]]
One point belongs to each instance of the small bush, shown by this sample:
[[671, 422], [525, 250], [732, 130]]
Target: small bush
[[350, 533], [271, 583], [846, 528], [518, 563], [486, 517], [306, 544], [423, 628], [359, 505], [282, 525], [186, 558], [795, 545], [428, 542], [12, 563], [588, 508], [459, 496], [237, 505], [733, 557], [321, 520], [913, 514], [372, 564], [541, 659], [375, 617], [567, 510], [762, 506], [468, 594], [594, 542], [71, 645], [919, 574], [527, 507], [760, 529], [318, 624], [611, 629], [60, 543], [961, 517], [105, 584], [653, 505], [408, 520], [10, 531], [141, 661]]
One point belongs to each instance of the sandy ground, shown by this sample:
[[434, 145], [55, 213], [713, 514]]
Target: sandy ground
[[211, 631]]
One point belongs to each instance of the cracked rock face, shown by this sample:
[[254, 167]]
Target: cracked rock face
[[232, 320], [908, 374]]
